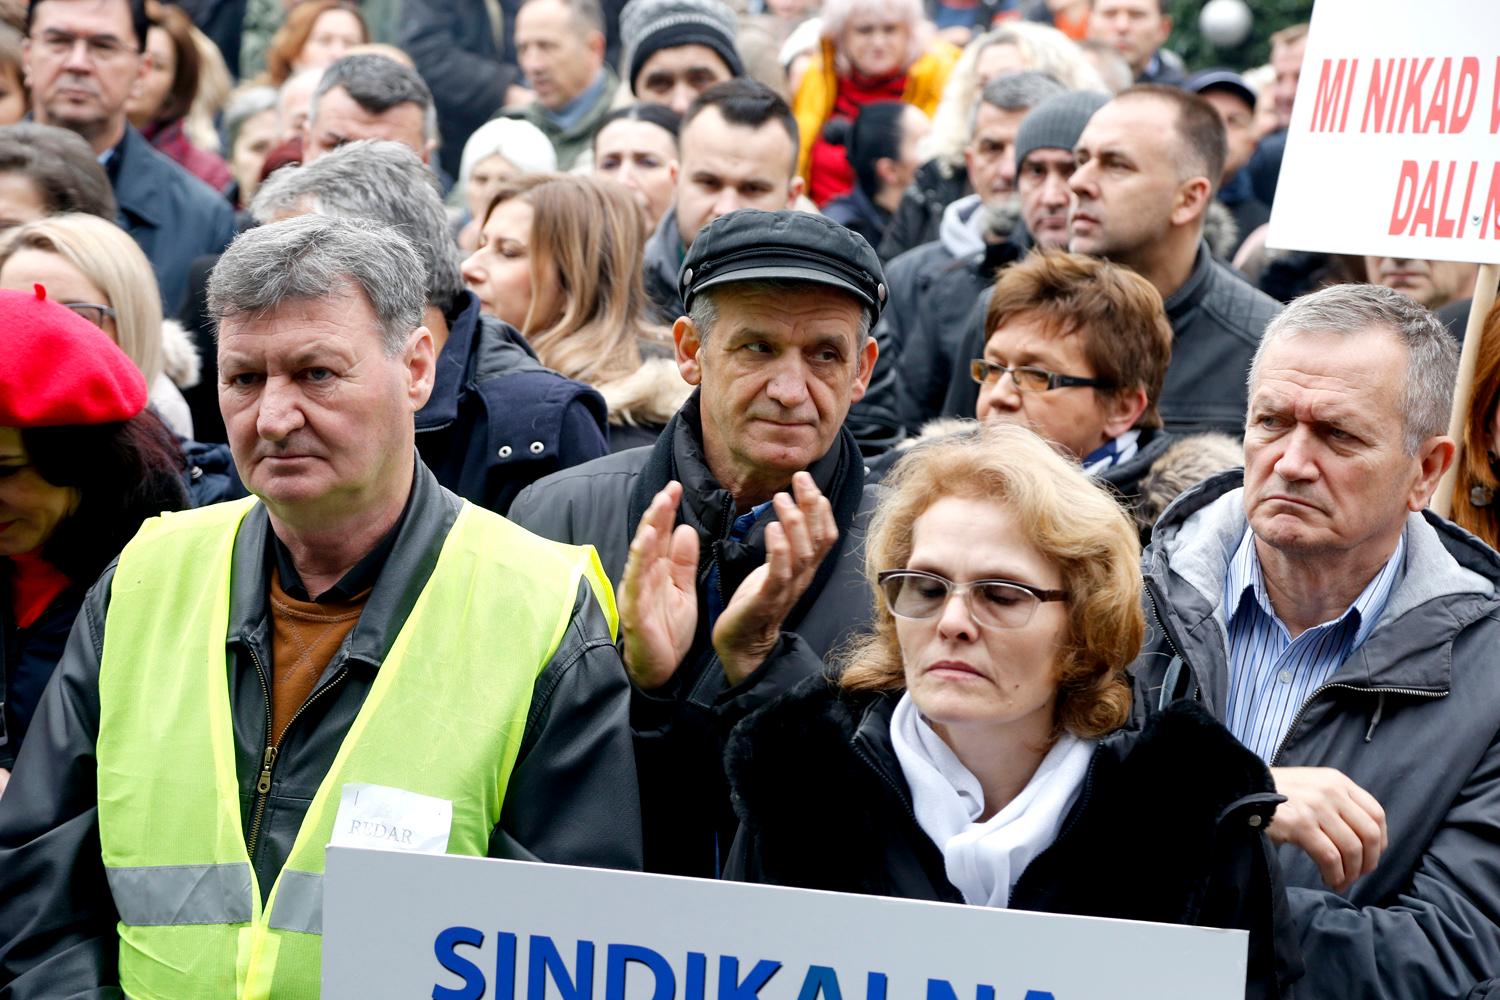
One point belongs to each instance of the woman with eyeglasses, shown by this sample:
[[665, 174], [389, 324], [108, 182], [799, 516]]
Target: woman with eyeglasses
[[83, 462], [976, 747], [94, 268]]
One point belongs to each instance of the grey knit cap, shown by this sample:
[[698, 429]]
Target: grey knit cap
[[1057, 122], [648, 26]]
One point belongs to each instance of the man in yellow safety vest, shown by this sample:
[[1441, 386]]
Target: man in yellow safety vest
[[353, 655]]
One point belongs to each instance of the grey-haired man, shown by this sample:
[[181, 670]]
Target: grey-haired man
[[360, 613], [776, 337], [1352, 639]]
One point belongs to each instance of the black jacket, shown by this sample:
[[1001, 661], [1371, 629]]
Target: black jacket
[[1168, 827], [27, 658], [933, 294], [662, 261], [855, 211], [1217, 322], [680, 727], [916, 220], [173, 216], [1409, 717], [571, 797], [498, 420]]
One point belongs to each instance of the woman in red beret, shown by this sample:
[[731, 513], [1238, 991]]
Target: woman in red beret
[[82, 464]]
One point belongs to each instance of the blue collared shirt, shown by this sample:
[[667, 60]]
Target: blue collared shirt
[[1271, 675]]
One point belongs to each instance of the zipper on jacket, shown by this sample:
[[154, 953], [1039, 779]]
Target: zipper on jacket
[[1297, 719], [1166, 634], [272, 751], [859, 752], [1074, 815]]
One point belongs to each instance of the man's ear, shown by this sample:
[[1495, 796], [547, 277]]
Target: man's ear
[[885, 170], [869, 352], [689, 345], [421, 366], [1122, 409], [794, 190], [595, 43], [1193, 196], [1433, 459]]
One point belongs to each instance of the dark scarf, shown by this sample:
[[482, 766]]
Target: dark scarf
[[709, 508]]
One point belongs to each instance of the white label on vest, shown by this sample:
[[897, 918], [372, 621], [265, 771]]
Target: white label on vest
[[391, 819]]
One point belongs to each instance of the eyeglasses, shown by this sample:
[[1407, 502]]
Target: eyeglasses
[[100, 48], [994, 603], [91, 311], [1031, 379]]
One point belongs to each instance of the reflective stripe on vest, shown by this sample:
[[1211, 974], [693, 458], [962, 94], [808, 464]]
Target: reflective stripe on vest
[[444, 717]]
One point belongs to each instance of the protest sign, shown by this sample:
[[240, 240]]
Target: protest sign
[[1394, 145], [1394, 149], [398, 924]]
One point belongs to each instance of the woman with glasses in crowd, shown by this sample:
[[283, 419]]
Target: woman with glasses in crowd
[[83, 462], [976, 748]]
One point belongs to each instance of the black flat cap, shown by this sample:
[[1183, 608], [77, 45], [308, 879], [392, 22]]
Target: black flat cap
[[752, 245]]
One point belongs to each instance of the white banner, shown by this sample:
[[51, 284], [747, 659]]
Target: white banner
[[400, 925], [1394, 146]]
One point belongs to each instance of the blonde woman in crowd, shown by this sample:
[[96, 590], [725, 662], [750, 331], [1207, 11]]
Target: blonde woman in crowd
[[560, 260]]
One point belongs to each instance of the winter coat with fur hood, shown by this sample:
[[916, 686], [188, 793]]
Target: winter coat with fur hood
[[1168, 826], [1410, 716]]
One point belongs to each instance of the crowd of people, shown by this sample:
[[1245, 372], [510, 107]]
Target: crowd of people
[[866, 446]]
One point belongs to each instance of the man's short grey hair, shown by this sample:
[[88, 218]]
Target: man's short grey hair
[[315, 257], [377, 83], [1019, 91], [1431, 354], [586, 14], [704, 311], [377, 180]]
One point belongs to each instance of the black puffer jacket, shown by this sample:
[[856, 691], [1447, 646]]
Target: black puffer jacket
[[1168, 826], [498, 419], [680, 728], [571, 797]]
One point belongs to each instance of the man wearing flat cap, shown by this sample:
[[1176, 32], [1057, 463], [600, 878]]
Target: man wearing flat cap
[[742, 525]]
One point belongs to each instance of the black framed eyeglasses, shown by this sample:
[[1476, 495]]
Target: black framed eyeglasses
[[1031, 379], [91, 311], [915, 594]]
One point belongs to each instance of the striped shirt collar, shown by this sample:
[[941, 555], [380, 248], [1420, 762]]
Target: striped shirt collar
[[1245, 575]]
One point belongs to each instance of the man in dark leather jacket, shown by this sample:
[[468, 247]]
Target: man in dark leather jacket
[[315, 386], [778, 358], [498, 419]]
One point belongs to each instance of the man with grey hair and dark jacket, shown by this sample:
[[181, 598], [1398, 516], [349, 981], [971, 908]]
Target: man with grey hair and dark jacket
[[498, 419], [354, 649], [1351, 638], [766, 488]]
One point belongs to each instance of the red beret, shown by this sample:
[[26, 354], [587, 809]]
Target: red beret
[[57, 368]]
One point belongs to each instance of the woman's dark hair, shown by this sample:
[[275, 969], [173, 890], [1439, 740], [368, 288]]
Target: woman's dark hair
[[123, 472], [874, 134], [184, 89], [659, 115], [60, 165]]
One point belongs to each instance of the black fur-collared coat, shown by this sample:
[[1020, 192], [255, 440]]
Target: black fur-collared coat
[[1169, 826]]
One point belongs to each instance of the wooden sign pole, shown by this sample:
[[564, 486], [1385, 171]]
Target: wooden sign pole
[[1463, 390]]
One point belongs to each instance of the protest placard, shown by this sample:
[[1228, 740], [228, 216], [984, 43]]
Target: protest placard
[[1394, 149], [1394, 145], [399, 924]]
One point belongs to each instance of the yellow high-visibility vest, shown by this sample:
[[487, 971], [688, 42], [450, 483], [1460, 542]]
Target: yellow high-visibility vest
[[444, 718]]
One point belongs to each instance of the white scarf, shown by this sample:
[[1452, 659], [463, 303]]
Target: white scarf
[[984, 860]]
